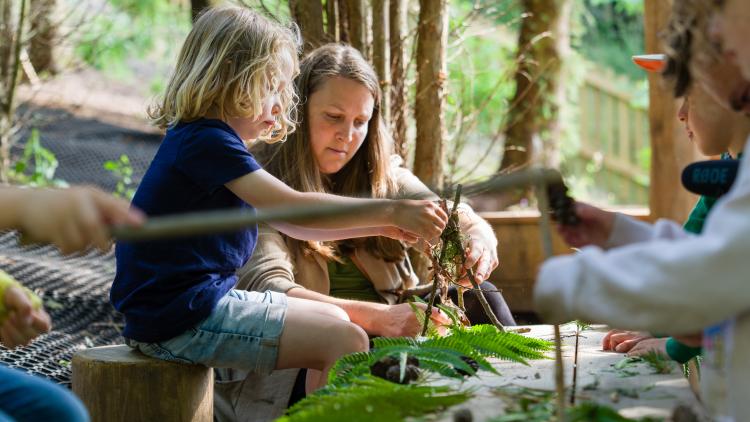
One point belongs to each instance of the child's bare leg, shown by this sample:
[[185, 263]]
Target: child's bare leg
[[314, 336]]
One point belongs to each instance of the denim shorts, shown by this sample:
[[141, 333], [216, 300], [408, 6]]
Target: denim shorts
[[242, 332]]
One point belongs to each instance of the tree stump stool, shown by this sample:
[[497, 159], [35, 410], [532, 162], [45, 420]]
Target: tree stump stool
[[117, 383]]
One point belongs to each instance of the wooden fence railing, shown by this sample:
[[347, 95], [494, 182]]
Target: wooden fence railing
[[614, 136]]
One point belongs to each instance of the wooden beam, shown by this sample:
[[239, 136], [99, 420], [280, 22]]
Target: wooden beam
[[671, 150]]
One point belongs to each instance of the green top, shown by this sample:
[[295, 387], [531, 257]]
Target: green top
[[6, 281], [698, 215], [349, 282], [694, 224]]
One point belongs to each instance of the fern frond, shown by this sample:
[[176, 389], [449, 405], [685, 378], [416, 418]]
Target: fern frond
[[503, 345], [371, 399]]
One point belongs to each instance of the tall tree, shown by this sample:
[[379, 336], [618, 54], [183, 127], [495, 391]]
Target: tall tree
[[542, 41], [43, 35], [399, 100], [13, 27], [432, 40], [357, 17], [343, 16], [309, 16], [332, 20], [381, 55]]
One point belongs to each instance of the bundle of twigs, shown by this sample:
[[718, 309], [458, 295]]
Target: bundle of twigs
[[448, 267]]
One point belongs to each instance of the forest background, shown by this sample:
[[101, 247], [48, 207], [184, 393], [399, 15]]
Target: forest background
[[511, 82]]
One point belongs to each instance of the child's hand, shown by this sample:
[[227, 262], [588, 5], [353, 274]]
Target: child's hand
[[420, 218], [594, 228], [75, 218], [24, 323], [646, 346], [622, 341]]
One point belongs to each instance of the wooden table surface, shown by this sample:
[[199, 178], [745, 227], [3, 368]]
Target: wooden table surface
[[635, 392]]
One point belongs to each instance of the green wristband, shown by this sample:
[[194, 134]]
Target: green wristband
[[680, 352]]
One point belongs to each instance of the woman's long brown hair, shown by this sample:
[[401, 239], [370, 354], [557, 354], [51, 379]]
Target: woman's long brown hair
[[367, 174]]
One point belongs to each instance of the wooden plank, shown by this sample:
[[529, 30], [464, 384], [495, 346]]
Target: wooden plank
[[642, 394], [670, 149], [520, 252]]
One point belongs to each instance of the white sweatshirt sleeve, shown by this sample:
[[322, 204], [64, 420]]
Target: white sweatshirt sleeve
[[673, 283], [627, 230]]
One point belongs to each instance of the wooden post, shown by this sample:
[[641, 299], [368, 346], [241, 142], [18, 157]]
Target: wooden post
[[117, 383], [670, 148]]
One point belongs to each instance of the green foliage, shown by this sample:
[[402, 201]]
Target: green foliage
[[123, 171], [659, 363], [37, 165], [443, 355], [533, 405], [368, 398], [613, 33], [133, 29]]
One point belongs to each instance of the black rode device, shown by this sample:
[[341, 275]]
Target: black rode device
[[710, 178]]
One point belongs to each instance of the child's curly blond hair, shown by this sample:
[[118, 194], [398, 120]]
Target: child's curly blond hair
[[231, 61]]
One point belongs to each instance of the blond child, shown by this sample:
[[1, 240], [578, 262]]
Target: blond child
[[231, 86]]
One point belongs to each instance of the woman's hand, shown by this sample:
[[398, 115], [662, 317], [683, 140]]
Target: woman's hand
[[481, 255], [75, 218], [594, 228], [420, 218], [401, 321], [622, 341], [24, 323]]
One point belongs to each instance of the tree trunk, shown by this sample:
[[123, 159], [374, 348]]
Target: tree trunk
[[357, 16], [119, 384], [343, 9], [7, 25], [399, 100], [381, 55], [432, 41], [43, 35], [332, 20], [14, 30], [534, 112], [309, 16]]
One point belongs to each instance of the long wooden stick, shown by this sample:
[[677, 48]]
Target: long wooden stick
[[222, 221], [546, 233], [199, 223]]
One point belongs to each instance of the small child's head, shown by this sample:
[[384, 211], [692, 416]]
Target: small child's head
[[708, 83], [234, 65], [708, 123]]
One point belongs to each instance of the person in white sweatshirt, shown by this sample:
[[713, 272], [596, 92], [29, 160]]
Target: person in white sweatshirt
[[659, 278]]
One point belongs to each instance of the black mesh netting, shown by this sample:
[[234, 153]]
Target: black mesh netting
[[75, 289]]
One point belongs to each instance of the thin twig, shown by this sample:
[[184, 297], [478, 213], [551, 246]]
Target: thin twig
[[546, 233], [435, 280], [575, 368]]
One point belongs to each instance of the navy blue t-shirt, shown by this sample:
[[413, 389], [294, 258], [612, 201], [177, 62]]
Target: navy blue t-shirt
[[165, 287]]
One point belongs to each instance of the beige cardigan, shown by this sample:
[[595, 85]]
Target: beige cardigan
[[273, 266]]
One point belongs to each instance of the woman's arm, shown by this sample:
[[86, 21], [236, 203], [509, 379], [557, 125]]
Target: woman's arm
[[481, 250]]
